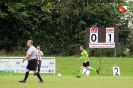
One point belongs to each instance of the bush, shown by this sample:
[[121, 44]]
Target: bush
[[3, 52], [103, 52]]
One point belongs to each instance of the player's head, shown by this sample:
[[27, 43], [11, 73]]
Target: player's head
[[29, 43], [82, 47], [38, 47]]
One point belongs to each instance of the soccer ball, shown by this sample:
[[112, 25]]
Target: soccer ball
[[59, 75]]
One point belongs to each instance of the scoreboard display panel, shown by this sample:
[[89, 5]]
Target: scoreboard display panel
[[101, 37]]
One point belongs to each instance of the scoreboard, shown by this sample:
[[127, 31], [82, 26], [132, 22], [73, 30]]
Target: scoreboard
[[101, 37]]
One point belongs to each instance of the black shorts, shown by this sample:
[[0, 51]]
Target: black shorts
[[32, 64], [86, 64]]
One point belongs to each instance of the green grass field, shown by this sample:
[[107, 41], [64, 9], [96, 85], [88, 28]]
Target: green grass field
[[69, 67]]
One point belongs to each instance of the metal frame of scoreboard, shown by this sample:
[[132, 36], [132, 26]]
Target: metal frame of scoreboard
[[101, 37]]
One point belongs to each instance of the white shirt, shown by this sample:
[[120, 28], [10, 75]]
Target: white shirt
[[32, 52], [39, 52]]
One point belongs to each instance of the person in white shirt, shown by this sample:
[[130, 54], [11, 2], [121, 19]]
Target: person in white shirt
[[32, 58], [39, 54]]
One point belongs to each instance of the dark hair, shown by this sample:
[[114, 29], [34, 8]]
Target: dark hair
[[82, 46], [38, 45]]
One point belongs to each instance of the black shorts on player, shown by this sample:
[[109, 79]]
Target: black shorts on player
[[32, 64], [86, 64]]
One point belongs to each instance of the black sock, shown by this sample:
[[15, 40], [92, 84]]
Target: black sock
[[26, 76], [38, 75]]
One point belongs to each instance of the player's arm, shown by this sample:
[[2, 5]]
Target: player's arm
[[26, 57], [41, 53], [37, 59], [80, 58]]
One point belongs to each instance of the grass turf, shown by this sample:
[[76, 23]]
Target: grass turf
[[67, 82], [69, 67]]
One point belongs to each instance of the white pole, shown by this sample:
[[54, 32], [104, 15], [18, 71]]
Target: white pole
[[55, 66], [11, 70]]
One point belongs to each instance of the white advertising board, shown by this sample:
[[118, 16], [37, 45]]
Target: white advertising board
[[16, 65]]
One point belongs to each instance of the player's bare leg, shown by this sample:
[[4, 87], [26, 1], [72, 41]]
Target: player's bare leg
[[26, 76], [80, 73], [90, 68]]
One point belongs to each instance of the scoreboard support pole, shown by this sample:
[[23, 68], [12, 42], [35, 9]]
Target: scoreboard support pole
[[115, 57], [103, 37], [100, 58], [116, 69]]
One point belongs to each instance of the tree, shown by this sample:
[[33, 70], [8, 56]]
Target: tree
[[57, 25]]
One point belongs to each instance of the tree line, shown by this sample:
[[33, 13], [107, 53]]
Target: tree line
[[58, 26]]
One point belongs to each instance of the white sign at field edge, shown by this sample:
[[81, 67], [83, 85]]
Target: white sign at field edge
[[116, 71], [15, 65]]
